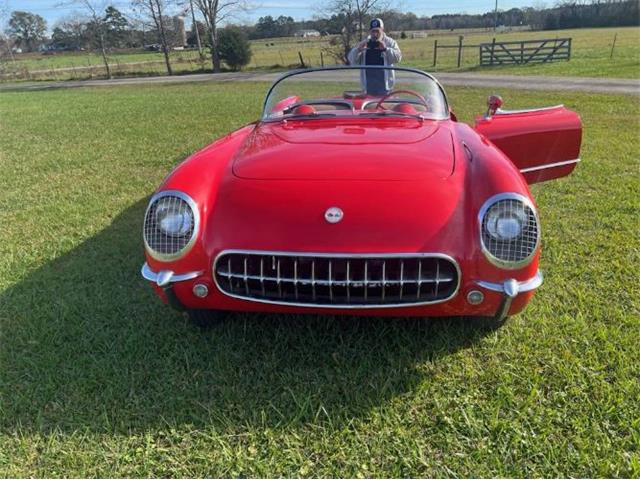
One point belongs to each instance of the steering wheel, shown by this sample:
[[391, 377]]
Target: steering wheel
[[423, 102]]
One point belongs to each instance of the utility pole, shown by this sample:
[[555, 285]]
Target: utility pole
[[195, 27], [495, 17]]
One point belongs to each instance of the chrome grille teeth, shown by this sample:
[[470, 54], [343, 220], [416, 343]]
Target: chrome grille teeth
[[338, 280]]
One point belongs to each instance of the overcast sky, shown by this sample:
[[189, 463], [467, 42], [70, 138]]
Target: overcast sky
[[51, 11]]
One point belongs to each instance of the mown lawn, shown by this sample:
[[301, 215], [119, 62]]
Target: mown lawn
[[97, 378]]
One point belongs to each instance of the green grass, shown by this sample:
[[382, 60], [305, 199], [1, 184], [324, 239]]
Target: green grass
[[98, 378], [591, 54]]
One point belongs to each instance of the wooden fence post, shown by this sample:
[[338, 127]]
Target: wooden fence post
[[435, 52], [321, 59], [493, 49], [612, 46], [301, 60], [459, 49]]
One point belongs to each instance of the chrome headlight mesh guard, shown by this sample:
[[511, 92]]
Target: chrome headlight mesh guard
[[518, 251], [160, 245]]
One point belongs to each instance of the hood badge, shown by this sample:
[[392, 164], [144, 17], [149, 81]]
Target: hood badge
[[333, 215]]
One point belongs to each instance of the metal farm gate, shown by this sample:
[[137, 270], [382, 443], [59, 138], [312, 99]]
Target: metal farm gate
[[527, 51]]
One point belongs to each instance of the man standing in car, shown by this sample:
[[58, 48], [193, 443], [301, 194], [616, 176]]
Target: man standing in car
[[378, 49]]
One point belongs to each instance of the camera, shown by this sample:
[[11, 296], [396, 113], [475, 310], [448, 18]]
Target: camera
[[374, 44]]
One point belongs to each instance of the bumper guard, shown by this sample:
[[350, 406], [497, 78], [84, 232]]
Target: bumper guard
[[165, 280], [510, 289]]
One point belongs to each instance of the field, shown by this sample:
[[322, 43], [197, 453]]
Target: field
[[590, 57], [97, 378]]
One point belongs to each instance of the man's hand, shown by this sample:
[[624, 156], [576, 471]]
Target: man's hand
[[362, 45]]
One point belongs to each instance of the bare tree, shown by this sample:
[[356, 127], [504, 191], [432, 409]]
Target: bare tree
[[354, 15], [5, 41], [94, 9], [156, 10], [214, 13]]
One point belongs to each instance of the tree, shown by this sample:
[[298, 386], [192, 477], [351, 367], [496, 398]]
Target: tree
[[354, 15], [27, 29], [286, 26], [214, 12], [116, 26], [6, 44], [155, 9], [70, 34], [96, 27], [235, 49], [266, 27]]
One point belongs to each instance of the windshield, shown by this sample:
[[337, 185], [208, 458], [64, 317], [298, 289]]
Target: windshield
[[369, 91]]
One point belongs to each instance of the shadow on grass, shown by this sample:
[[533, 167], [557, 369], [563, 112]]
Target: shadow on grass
[[86, 345]]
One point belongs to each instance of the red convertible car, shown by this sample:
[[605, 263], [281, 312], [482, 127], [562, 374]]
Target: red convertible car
[[358, 192]]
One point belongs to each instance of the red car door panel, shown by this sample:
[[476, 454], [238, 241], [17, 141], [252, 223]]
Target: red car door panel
[[544, 143]]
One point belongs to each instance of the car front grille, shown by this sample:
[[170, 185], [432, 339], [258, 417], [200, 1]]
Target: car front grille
[[337, 280]]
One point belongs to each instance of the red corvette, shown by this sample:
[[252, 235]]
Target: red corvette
[[359, 192]]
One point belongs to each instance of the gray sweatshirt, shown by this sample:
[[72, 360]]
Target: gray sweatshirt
[[391, 55]]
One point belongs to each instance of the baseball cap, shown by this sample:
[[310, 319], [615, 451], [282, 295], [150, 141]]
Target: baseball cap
[[376, 23]]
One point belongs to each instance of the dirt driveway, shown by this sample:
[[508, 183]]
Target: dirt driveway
[[583, 84]]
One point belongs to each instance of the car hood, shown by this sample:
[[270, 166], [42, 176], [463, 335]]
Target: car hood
[[378, 216], [374, 149]]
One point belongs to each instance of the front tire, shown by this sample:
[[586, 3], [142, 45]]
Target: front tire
[[206, 318]]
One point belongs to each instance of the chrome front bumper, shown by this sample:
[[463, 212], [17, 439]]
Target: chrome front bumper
[[509, 288]]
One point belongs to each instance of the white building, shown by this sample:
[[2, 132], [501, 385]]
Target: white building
[[306, 33]]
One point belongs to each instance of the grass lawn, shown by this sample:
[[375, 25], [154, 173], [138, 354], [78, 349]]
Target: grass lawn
[[98, 378], [591, 52]]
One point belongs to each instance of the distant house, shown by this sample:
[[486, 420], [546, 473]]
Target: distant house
[[306, 33]]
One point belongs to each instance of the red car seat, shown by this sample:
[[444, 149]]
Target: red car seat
[[304, 110]]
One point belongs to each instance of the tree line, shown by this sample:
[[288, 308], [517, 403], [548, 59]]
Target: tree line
[[565, 14]]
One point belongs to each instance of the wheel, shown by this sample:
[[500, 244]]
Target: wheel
[[206, 318], [487, 323]]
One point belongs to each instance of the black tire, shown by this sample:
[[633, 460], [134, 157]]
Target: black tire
[[206, 318], [487, 323]]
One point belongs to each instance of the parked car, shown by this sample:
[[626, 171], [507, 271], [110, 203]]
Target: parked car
[[359, 192]]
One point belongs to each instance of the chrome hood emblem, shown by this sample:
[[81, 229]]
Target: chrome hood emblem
[[333, 215]]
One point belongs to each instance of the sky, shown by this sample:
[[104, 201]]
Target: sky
[[52, 10]]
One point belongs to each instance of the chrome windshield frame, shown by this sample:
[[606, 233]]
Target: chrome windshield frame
[[264, 115]]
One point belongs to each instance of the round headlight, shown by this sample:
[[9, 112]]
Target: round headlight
[[170, 225], [509, 230], [173, 218], [505, 225]]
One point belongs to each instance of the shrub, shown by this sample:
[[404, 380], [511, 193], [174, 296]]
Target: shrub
[[235, 49]]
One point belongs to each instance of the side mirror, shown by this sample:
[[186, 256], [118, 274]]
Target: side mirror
[[494, 102]]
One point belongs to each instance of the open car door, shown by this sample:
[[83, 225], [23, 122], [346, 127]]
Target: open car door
[[543, 143]]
